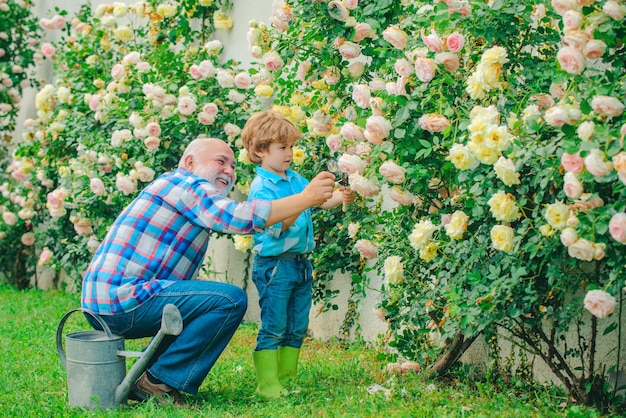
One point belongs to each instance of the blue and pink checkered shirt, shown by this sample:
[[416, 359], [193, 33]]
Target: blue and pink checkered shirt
[[162, 237]]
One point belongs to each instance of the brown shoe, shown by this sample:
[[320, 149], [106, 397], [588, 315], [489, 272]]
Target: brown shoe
[[144, 389]]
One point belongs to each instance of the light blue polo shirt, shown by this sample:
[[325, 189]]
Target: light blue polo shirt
[[298, 238]]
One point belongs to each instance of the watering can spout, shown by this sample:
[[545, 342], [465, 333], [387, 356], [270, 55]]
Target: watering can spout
[[171, 324]]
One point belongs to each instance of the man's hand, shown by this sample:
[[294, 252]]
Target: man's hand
[[320, 189]]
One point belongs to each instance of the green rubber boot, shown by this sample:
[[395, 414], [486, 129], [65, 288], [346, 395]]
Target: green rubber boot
[[266, 365], [287, 364]]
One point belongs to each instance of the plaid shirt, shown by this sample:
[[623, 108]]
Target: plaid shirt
[[162, 237], [298, 238]]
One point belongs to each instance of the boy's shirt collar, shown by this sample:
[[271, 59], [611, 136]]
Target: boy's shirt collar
[[273, 176]]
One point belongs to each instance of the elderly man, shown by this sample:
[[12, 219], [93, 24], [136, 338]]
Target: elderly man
[[152, 254]]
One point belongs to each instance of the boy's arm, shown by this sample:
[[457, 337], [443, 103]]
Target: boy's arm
[[318, 191]]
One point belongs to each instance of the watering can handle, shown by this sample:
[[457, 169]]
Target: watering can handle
[[60, 350]]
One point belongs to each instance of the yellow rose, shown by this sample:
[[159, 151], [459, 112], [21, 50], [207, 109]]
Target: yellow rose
[[495, 55], [502, 238], [394, 269], [123, 33], [298, 155], [505, 171], [263, 90], [428, 251], [557, 215], [243, 242], [422, 232], [503, 207], [205, 3], [222, 21], [244, 157], [166, 10], [462, 158], [457, 225], [546, 230]]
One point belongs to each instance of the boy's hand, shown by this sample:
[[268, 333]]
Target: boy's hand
[[320, 189]]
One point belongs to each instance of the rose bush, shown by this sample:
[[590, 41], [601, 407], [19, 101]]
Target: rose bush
[[19, 38], [507, 120], [134, 84]]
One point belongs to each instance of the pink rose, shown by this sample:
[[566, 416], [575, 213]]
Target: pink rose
[[596, 163], [361, 95], [194, 72], [205, 119], [349, 50], [432, 41], [334, 142], [403, 197], [362, 31], [143, 66], [424, 69], [395, 36], [433, 123], [392, 172], [349, 163], [572, 162], [568, 236], [366, 249], [594, 49], [614, 9], [273, 61], [94, 102], [45, 257], [211, 109], [403, 67], [243, 81], [186, 105], [153, 129], [151, 142], [82, 227], [377, 128], [117, 72], [303, 69], [356, 69], [582, 249], [607, 106], [363, 186], [617, 227], [9, 218], [28, 239], [619, 163], [571, 60], [557, 116], [125, 184], [572, 19], [449, 60], [97, 186], [47, 50], [572, 187], [599, 303], [455, 42], [351, 132]]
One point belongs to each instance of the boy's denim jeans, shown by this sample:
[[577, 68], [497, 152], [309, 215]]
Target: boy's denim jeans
[[211, 313], [284, 286]]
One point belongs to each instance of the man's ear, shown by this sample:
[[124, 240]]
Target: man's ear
[[188, 161]]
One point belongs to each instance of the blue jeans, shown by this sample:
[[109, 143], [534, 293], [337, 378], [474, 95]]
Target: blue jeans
[[284, 287], [211, 313]]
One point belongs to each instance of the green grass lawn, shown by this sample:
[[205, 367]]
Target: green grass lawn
[[335, 380]]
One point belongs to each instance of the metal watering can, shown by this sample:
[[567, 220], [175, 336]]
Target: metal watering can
[[95, 361]]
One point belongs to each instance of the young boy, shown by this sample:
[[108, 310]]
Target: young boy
[[281, 270]]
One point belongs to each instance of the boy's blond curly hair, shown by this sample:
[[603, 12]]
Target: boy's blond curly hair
[[265, 128]]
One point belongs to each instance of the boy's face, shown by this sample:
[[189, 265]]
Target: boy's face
[[277, 157]]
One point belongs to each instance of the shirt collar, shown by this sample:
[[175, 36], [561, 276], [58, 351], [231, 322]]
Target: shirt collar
[[275, 178]]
